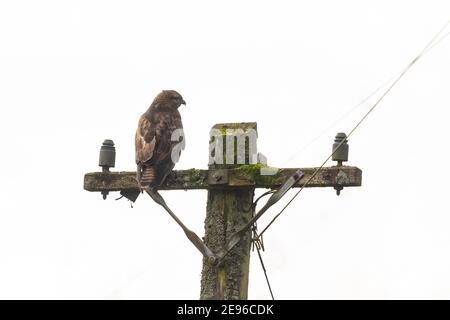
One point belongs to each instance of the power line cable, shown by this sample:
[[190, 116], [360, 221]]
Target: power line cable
[[362, 102], [265, 271], [428, 47]]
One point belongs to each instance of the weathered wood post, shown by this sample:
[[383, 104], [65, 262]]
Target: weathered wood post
[[228, 210]]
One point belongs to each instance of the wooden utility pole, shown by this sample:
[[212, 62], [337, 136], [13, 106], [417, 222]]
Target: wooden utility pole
[[228, 211], [231, 179]]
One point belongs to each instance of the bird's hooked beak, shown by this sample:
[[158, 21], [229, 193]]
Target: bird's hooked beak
[[183, 102]]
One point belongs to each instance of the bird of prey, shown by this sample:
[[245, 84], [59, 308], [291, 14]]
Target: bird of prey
[[159, 140]]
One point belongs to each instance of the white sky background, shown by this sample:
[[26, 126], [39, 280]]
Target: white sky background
[[76, 72]]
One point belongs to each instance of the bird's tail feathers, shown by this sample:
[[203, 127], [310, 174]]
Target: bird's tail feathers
[[147, 178]]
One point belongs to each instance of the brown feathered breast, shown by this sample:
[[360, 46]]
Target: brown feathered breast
[[153, 140]]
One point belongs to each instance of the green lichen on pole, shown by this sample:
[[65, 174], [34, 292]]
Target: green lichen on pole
[[228, 210]]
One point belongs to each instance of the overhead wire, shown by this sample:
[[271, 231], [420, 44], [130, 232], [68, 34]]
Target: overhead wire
[[428, 47], [362, 102], [265, 272]]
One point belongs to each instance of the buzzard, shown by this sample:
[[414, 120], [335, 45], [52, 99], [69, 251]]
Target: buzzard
[[159, 140]]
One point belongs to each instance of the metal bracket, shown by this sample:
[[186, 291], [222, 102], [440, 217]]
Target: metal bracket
[[130, 194], [341, 179], [218, 177]]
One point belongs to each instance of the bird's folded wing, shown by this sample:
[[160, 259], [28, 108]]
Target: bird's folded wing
[[145, 141]]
